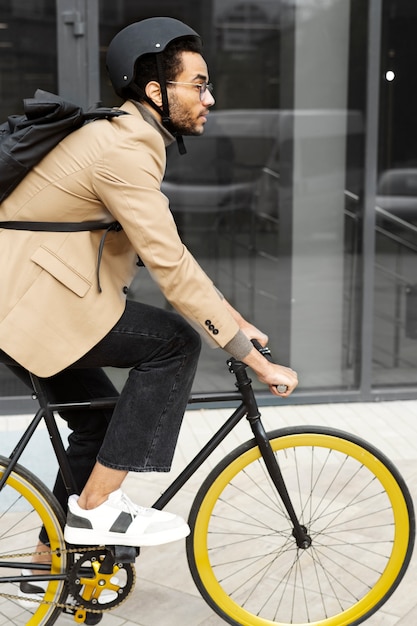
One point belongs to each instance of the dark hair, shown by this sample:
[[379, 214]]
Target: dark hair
[[146, 67]]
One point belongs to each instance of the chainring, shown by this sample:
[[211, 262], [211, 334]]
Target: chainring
[[97, 581]]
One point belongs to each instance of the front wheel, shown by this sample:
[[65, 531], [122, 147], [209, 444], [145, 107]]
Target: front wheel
[[25, 506], [354, 505]]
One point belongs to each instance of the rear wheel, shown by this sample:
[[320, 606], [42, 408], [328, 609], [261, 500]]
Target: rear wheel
[[25, 506], [357, 511]]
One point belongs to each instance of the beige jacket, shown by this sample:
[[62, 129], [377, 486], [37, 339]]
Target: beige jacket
[[51, 310]]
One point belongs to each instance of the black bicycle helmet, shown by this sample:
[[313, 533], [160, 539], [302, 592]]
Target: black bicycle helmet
[[149, 36]]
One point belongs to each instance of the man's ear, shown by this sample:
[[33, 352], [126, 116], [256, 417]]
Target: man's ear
[[153, 91]]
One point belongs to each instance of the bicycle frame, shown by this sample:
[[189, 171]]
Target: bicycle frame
[[248, 407]]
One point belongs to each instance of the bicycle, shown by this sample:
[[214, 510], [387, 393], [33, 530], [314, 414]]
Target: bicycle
[[300, 525]]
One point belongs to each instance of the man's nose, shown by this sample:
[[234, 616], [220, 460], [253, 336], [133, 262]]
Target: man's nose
[[208, 98]]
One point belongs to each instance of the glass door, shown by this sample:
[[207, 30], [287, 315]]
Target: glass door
[[395, 293]]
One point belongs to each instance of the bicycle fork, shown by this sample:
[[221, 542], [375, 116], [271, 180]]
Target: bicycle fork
[[303, 540]]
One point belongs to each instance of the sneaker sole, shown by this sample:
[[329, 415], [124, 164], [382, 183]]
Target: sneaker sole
[[85, 537]]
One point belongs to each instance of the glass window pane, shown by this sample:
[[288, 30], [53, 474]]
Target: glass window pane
[[326, 160], [395, 321], [27, 51], [27, 62]]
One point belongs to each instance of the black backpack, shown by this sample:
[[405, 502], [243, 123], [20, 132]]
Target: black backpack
[[26, 139]]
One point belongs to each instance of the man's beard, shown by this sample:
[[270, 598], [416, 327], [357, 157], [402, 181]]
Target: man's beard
[[181, 121]]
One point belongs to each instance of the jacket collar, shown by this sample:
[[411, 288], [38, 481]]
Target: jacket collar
[[132, 107]]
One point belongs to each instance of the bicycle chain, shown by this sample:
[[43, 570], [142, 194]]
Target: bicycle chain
[[69, 607]]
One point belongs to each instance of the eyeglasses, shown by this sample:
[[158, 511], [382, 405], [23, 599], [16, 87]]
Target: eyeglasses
[[202, 87]]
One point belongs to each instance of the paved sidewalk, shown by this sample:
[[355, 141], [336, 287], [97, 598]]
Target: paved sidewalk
[[165, 594]]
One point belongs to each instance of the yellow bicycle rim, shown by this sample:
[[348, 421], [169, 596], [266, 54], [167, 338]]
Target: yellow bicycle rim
[[55, 535], [331, 442]]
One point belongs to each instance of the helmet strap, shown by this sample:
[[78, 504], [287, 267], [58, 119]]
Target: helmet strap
[[180, 144], [166, 119], [164, 111]]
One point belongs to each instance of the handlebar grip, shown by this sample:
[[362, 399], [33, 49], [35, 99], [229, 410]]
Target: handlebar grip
[[282, 388]]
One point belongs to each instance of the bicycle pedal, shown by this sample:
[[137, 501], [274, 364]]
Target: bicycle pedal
[[90, 619], [124, 554]]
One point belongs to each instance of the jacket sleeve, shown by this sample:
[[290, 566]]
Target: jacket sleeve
[[128, 179]]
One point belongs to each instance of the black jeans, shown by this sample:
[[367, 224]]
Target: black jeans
[[161, 350]]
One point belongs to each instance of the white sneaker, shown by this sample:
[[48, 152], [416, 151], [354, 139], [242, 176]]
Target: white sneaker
[[118, 521]]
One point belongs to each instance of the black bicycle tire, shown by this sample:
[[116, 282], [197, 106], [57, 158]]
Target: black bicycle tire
[[284, 432], [46, 498]]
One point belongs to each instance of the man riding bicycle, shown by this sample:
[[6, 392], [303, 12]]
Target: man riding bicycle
[[64, 314]]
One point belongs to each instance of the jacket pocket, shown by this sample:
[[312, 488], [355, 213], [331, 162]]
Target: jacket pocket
[[60, 270]]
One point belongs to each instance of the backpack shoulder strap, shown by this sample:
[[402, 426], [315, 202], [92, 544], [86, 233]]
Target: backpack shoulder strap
[[26, 139]]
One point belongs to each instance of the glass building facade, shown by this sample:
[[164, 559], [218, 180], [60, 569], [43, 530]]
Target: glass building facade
[[300, 200]]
